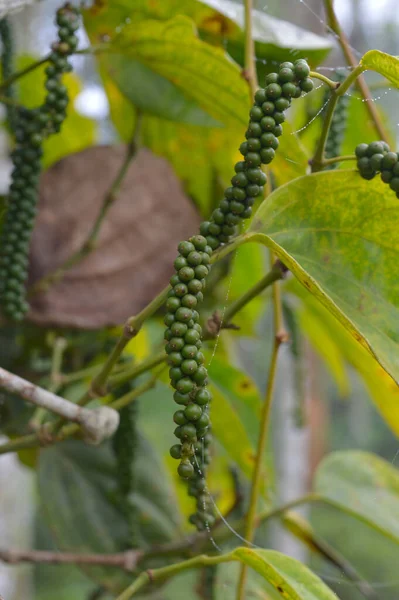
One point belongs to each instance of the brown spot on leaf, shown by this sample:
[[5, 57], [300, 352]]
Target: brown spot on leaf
[[217, 24], [133, 259]]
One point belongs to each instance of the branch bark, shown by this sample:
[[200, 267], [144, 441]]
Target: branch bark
[[124, 560], [97, 424]]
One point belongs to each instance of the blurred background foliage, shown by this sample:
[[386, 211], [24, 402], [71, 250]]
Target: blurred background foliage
[[331, 395]]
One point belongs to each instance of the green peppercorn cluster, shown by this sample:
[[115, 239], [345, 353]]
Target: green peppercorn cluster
[[124, 445], [7, 60], [338, 125], [183, 334], [377, 158], [32, 126]]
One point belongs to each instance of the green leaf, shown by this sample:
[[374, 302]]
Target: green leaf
[[203, 73], [241, 393], [77, 132], [363, 485], [288, 576], [337, 233], [151, 93], [234, 411], [383, 63], [291, 159], [383, 390], [78, 493], [274, 38]]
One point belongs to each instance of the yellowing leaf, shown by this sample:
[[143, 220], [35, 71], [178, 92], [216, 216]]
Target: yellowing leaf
[[383, 63], [337, 233]]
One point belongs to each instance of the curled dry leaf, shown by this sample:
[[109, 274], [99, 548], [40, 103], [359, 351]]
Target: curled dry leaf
[[133, 257]]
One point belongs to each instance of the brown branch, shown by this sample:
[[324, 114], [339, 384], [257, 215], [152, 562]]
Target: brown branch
[[124, 560]]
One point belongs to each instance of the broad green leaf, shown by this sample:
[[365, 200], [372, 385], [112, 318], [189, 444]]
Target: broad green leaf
[[241, 393], [291, 160], [77, 132], [152, 93], [337, 233], [363, 485], [288, 576], [383, 390], [226, 414], [325, 344], [77, 486], [218, 21], [383, 63], [274, 38], [247, 268], [203, 73], [202, 157]]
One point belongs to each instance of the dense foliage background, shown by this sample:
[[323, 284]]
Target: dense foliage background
[[175, 88]]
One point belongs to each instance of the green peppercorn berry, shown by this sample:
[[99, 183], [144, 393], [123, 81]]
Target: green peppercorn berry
[[256, 176], [376, 161], [175, 451], [185, 470], [194, 286], [386, 176], [185, 385], [192, 336], [273, 91], [186, 274], [252, 160], [252, 190], [180, 262], [185, 248], [375, 148], [214, 230], [361, 150], [285, 75], [282, 104], [178, 329], [213, 242], [289, 89], [175, 374], [175, 359], [255, 113], [243, 148], [180, 290], [218, 216], [260, 96], [237, 208], [240, 180], [203, 421], [268, 140], [267, 124], [182, 399], [254, 130], [232, 219], [204, 228], [194, 258], [183, 314], [174, 280], [189, 366], [268, 108], [179, 417], [239, 167], [189, 301], [192, 412], [200, 358], [271, 78], [394, 184], [201, 272], [200, 375], [202, 397], [239, 193], [389, 161], [395, 170], [189, 432], [189, 351], [279, 117], [172, 304], [267, 155], [301, 69]]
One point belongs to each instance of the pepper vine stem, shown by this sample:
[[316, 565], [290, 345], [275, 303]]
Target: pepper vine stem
[[32, 67], [351, 60], [332, 84]]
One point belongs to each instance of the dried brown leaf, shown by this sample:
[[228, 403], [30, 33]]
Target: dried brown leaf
[[133, 259]]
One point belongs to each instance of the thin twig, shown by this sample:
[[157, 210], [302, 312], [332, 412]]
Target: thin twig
[[5, 84], [351, 60], [97, 424], [124, 560]]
